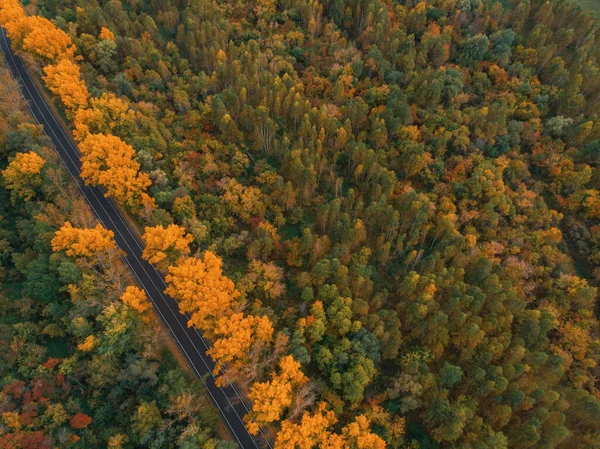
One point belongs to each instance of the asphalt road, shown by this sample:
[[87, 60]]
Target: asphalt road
[[191, 344]]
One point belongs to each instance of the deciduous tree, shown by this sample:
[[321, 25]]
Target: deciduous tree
[[136, 298], [64, 80], [83, 242], [164, 246], [202, 290], [23, 174], [237, 337], [110, 162], [271, 398]]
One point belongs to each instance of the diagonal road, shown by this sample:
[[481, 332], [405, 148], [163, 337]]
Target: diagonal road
[[232, 406]]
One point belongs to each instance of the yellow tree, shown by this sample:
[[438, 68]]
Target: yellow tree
[[270, 399], [43, 39], [312, 431], [11, 14], [64, 80], [237, 337], [23, 174], [136, 298], [202, 290], [359, 436], [107, 114], [244, 201], [164, 246], [36, 35], [110, 162], [83, 242]]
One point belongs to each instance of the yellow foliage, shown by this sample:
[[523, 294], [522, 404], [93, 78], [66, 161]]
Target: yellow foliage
[[110, 162], [166, 244], [244, 201], [236, 335], [202, 290], [88, 344], [136, 298], [11, 13], [42, 38], [107, 114], [23, 173], [12, 420], [64, 80], [270, 399], [116, 441], [36, 35], [267, 277], [312, 431], [358, 435], [83, 242]]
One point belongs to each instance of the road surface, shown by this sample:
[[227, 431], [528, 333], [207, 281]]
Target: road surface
[[228, 400]]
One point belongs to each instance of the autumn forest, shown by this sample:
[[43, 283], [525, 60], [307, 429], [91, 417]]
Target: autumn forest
[[382, 214]]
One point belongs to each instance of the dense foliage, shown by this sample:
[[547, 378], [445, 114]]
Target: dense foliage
[[407, 191], [82, 362]]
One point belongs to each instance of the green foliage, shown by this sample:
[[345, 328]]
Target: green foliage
[[77, 367], [441, 161]]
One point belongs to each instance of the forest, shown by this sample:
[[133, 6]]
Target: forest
[[382, 213]]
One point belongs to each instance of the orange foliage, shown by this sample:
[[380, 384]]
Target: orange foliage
[[83, 242], [237, 334], [44, 39], [23, 173], [106, 114], [80, 421], [202, 290], [110, 162], [106, 34], [36, 35], [64, 80], [358, 435], [11, 13], [271, 398], [135, 298], [312, 431], [165, 244]]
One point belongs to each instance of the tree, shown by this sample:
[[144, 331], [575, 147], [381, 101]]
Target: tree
[[312, 431], [23, 174], [358, 435], [237, 337], [136, 298], [202, 290], [271, 398], [64, 80], [83, 242], [107, 114], [246, 202], [147, 418], [164, 246], [36, 35], [42, 38], [11, 14], [110, 162], [475, 48], [80, 421]]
